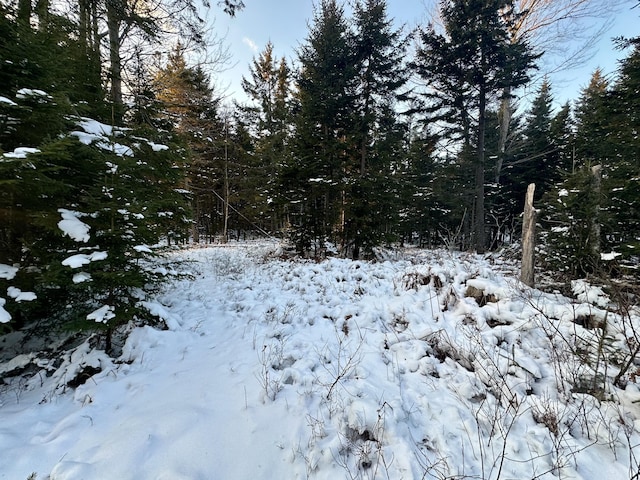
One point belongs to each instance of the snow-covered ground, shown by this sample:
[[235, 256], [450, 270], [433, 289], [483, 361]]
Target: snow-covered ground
[[428, 365]]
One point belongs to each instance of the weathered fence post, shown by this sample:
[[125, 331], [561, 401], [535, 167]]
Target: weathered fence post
[[528, 239]]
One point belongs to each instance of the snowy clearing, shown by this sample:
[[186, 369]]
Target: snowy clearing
[[430, 365]]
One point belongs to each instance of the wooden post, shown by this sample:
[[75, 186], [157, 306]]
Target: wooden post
[[528, 239]]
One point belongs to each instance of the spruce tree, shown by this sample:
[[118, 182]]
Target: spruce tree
[[473, 60], [563, 142], [314, 178], [371, 207], [188, 105], [535, 161], [270, 91], [622, 180], [591, 117]]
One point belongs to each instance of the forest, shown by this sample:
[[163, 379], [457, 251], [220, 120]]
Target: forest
[[326, 279], [114, 145]]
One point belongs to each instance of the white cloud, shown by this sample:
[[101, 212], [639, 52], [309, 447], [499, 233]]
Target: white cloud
[[250, 43]]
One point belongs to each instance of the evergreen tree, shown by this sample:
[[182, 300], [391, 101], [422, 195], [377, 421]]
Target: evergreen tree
[[188, 105], [124, 196], [421, 213], [314, 178], [591, 117], [622, 180], [599, 215], [347, 134], [562, 141], [536, 159], [269, 88], [371, 207], [466, 66], [570, 213]]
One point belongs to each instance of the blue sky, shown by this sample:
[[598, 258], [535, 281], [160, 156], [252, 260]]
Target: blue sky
[[285, 23]]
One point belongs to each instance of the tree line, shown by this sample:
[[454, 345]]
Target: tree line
[[374, 136]]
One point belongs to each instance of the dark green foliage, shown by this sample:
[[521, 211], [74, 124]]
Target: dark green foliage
[[379, 134], [606, 135], [269, 118], [622, 181], [314, 177], [120, 183], [465, 67], [542, 153], [592, 117], [128, 201], [570, 212], [341, 180], [562, 142]]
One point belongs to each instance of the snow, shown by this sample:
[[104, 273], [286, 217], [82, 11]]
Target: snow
[[157, 147], [102, 314], [20, 296], [117, 148], [102, 135], [20, 152], [5, 317], [80, 259], [8, 272], [607, 257], [72, 226], [94, 127], [293, 369], [7, 100], [18, 362], [590, 294], [81, 277], [29, 92]]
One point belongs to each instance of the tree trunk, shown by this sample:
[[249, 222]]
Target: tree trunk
[[195, 230], [505, 113], [594, 234], [528, 239], [24, 12], [479, 210], [115, 62], [225, 231], [84, 28]]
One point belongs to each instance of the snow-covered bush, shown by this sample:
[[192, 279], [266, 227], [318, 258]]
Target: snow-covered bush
[[95, 205]]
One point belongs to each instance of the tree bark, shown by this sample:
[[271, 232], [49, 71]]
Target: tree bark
[[506, 110], [115, 62], [225, 229], [479, 213], [594, 234], [528, 239]]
